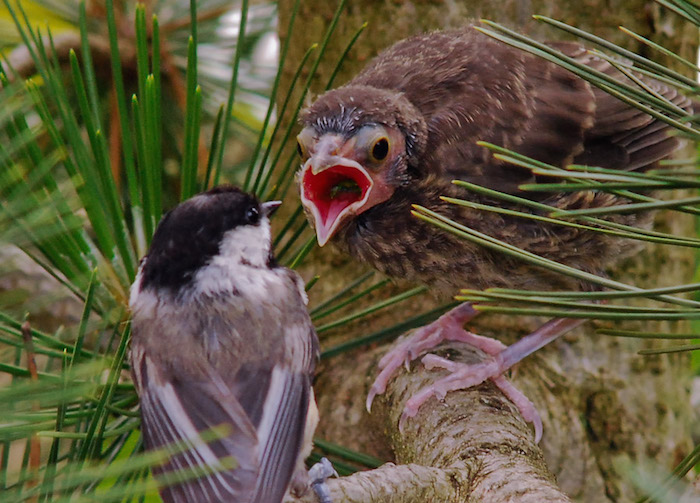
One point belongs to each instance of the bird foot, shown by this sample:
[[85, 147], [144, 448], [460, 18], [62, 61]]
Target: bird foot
[[465, 376], [318, 474], [449, 327]]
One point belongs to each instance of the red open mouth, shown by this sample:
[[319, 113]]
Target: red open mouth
[[331, 192]]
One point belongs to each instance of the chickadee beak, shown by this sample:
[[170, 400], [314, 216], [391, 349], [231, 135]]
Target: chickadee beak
[[270, 207]]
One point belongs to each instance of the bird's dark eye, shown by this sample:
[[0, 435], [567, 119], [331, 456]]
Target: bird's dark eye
[[380, 149], [252, 215]]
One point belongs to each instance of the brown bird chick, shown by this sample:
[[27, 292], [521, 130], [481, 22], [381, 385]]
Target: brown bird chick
[[407, 125]]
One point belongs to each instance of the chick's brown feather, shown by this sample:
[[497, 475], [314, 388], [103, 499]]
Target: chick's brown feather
[[445, 91]]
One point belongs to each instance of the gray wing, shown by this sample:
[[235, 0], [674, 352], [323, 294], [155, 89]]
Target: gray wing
[[263, 412], [175, 410], [258, 389], [280, 418], [281, 432]]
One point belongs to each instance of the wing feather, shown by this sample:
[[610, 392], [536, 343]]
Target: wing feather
[[460, 84], [258, 386], [281, 432], [175, 412]]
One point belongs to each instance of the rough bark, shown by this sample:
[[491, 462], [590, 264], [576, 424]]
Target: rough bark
[[601, 402], [471, 447]]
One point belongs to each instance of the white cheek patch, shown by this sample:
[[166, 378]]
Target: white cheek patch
[[247, 244], [143, 303], [243, 248]]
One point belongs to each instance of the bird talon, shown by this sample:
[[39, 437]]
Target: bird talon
[[318, 474], [370, 398], [405, 415]]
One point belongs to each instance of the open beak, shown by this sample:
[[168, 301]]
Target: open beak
[[334, 194], [334, 187]]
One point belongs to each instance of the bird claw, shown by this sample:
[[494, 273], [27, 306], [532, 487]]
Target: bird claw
[[401, 352], [390, 362], [464, 376], [448, 327], [527, 409], [370, 398], [388, 368], [408, 412], [318, 474]]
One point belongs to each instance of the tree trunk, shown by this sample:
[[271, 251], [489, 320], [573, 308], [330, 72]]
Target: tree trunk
[[602, 404]]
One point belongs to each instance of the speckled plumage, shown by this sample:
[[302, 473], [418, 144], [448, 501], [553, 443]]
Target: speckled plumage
[[444, 91]]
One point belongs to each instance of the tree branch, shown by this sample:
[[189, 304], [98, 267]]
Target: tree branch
[[473, 446]]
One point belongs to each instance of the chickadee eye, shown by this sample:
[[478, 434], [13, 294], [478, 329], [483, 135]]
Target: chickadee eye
[[252, 215], [380, 149]]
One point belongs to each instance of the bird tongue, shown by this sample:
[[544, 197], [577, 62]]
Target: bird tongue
[[333, 194]]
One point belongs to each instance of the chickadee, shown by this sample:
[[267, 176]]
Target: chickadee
[[407, 125], [221, 338]]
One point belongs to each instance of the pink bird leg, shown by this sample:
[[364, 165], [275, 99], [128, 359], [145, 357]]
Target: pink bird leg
[[449, 327]]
